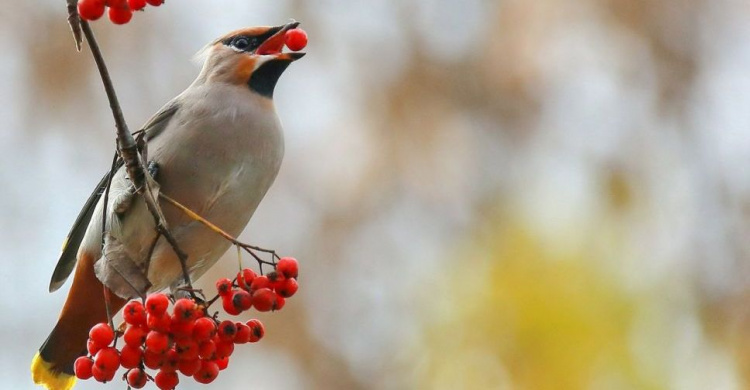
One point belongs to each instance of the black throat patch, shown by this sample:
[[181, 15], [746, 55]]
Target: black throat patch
[[263, 80]]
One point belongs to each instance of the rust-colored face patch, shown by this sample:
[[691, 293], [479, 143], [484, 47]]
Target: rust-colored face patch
[[244, 68]]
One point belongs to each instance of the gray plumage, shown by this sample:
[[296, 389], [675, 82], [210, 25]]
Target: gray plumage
[[219, 146]]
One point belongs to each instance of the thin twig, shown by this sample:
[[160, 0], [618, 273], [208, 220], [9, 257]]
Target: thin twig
[[74, 21], [248, 248], [106, 199], [195, 216], [128, 150], [127, 281], [107, 306], [151, 249]]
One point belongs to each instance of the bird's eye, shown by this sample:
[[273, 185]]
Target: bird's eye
[[241, 43]]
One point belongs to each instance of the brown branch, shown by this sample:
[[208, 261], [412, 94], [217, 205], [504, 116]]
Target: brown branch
[[128, 150], [74, 21], [112, 171], [150, 254]]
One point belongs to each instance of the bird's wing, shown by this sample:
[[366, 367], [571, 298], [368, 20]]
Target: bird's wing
[[67, 261]]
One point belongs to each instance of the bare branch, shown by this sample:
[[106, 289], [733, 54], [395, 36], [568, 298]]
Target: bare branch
[[128, 149], [74, 21]]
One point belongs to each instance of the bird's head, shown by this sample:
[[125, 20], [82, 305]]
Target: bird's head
[[251, 57]]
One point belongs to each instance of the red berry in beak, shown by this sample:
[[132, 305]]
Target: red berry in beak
[[296, 39]]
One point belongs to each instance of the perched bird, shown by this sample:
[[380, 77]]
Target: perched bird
[[216, 148]]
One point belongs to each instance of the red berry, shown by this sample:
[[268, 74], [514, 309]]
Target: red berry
[[157, 342], [222, 363], [137, 378], [153, 360], [134, 313], [170, 362], [155, 3], [288, 265], [243, 333], [276, 279], [136, 5], [187, 349], [159, 323], [242, 300], [156, 304], [107, 360], [257, 330], [248, 275], [279, 303], [204, 329], [264, 299], [102, 375], [181, 328], [288, 288], [207, 373], [224, 349], [120, 15], [228, 304], [166, 380], [135, 336], [130, 357], [91, 9], [296, 39], [189, 367], [260, 282], [92, 347], [227, 330], [274, 276], [245, 278], [82, 367], [207, 349], [102, 334], [224, 286], [185, 309], [117, 3]]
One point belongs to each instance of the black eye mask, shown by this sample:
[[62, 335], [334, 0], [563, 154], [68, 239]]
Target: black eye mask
[[249, 43]]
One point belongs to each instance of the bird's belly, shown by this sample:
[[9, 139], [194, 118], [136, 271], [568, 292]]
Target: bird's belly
[[221, 181]]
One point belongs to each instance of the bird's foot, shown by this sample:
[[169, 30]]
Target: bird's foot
[[122, 203]]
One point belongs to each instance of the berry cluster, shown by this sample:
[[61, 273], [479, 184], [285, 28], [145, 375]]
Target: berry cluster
[[120, 11], [185, 340], [264, 292]]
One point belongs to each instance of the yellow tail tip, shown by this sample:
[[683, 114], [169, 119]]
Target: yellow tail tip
[[42, 374]]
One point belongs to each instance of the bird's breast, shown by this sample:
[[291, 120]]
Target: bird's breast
[[219, 164]]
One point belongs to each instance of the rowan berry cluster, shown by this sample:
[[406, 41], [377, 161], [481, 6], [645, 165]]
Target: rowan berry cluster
[[120, 11], [263, 292], [185, 340]]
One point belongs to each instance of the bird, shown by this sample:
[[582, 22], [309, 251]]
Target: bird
[[216, 148]]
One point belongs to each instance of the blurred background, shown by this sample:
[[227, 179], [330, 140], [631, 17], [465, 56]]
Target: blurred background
[[543, 194]]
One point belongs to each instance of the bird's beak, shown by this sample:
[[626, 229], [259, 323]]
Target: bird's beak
[[275, 43]]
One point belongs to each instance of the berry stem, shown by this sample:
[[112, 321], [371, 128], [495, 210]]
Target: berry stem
[[108, 306], [248, 248], [212, 300], [239, 257]]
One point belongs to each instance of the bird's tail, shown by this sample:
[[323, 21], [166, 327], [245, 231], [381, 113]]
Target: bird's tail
[[43, 374], [52, 366]]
